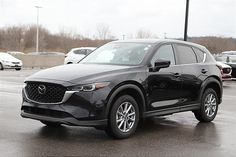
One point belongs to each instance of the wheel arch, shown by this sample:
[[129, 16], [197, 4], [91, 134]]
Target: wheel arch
[[131, 88], [214, 83]]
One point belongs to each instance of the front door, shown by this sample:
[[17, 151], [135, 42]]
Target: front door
[[164, 86]]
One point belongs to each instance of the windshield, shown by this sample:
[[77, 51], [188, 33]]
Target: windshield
[[5, 56], [119, 54], [226, 58]]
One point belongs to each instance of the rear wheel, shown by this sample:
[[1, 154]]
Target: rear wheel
[[123, 118], [51, 123], [209, 106], [1, 66]]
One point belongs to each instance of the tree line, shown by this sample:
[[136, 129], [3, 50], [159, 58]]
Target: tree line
[[23, 38]]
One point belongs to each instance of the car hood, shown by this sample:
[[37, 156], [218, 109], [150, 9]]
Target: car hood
[[10, 59], [77, 73], [223, 65]]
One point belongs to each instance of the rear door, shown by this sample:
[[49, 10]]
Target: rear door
[[192, 68]]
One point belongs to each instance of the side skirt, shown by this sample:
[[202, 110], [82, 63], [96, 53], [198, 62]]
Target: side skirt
[[172, 110]]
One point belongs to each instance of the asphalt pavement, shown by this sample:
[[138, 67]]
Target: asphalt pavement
[[177, 135]]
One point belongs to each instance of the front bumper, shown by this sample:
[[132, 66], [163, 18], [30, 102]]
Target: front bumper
[[82, 109], [226, 77], [67, 120], [11, 65]]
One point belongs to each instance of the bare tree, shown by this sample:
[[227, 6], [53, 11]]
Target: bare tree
[[22, 38], [103, 31], [144, 34], [11, 38]]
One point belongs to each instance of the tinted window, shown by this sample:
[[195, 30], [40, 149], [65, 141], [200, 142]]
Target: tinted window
[[81, 52], [199, 54], [186, 55], [164, 52]]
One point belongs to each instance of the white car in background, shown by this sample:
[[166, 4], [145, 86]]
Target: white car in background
[[76, 54], [225, 70], [7, 61], [15, 53]]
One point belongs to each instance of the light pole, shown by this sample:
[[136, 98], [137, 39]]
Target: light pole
[[186, 21], [123, 37], [37, 35]]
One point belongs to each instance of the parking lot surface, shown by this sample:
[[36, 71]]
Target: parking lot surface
[[175, 135]]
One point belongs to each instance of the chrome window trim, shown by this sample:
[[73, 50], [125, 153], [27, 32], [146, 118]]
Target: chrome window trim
[[204, 57]]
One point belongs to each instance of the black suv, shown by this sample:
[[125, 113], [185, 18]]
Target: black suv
[[123, 81]]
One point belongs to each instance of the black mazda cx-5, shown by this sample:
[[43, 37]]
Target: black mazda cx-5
[[123, 81]]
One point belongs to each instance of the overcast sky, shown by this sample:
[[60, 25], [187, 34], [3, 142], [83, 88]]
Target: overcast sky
[[206, 17]]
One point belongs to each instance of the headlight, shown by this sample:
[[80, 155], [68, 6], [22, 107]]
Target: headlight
[[90, 87], [6, 62]]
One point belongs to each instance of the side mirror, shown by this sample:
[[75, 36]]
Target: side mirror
[[161, 63]]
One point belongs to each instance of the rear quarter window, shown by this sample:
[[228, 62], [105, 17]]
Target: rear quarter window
[[200, 54]]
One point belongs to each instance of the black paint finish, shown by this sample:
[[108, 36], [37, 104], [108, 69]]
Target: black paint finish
[[169, 90]]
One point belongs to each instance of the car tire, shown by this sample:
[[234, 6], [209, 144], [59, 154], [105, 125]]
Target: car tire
[[123, 118], [1, 66], [208, 107], [51, 124], [17, 69]]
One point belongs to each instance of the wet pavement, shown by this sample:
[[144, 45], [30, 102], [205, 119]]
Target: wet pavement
[[175, 135]]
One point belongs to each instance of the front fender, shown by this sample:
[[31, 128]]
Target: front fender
[[211, 81], [120, 89]]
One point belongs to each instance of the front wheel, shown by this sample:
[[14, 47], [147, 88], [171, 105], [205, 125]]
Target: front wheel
[[17, 69], [123, 118], [209, 106]]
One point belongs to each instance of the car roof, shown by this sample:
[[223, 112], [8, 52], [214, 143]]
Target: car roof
[[3, 53], [158, 41], [79, 48]]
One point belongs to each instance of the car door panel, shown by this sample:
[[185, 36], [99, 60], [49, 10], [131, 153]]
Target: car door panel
[[165, 88], [192, 72]]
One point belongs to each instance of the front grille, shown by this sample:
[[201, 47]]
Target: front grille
[[53, 93], [45, 112], [16, 62], [226, 70]]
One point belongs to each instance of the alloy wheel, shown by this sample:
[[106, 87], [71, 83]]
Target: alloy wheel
[[210, 105], [125, 117]]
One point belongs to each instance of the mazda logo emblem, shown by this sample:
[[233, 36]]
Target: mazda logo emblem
[[42, 89]]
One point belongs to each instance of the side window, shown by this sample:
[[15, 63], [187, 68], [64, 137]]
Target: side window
[[81, 52], [164, 52], [199, 54], [185, 55], [77, 51]]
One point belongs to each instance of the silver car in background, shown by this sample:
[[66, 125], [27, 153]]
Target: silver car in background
[[76, 54], [7, 61]]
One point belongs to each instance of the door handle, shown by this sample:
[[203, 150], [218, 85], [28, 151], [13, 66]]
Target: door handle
[[177, 75], [204, 71]]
